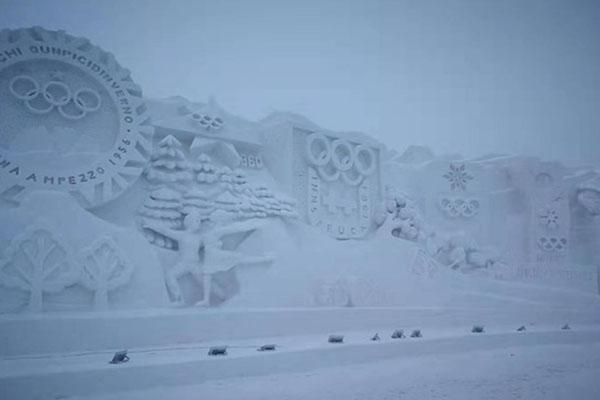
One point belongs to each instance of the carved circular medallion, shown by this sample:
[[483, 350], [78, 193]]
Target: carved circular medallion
[[71, 118]]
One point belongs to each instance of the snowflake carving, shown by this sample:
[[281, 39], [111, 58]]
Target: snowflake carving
[[458, 177], [549, 218]]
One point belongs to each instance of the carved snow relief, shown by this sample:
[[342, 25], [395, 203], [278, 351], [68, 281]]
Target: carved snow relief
[[458, 177], [194, 204], [553, 244], [549, 217], [37, 262], [339, 185], [43, 98], [61, 95], [104, 269], [206, 121], [459, 207]]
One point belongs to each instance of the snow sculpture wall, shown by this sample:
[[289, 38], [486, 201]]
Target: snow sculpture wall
[[206, 194], [74, 134], [54, 255], [511, 212], [334, 177], [61, 95]]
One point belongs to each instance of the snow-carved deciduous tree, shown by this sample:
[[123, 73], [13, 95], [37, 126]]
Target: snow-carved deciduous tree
[[37, 263], [103, 270], [168, 164]]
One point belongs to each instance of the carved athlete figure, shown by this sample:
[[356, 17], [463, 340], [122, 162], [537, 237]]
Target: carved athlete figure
[[202, 254]]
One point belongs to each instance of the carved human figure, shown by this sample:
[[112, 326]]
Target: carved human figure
[[201, 251]]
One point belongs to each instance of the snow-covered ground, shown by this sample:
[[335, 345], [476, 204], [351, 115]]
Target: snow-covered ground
[[448, 360], [520, 372]]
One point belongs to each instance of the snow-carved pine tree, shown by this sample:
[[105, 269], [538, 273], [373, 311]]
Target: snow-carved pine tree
[[163, 205], [37, 263], [266, 201], [103, 270], [218, 203], [207, 175], [168, 164], [197, 199], [206, 171]]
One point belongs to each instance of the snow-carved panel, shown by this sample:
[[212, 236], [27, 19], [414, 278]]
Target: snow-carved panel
[[72, 119], [459, 207], [551, 227], [342, 178], [195, 204], [104, 269], [37, 262]]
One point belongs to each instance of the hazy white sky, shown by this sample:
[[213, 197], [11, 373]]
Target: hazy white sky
[[466, 76]]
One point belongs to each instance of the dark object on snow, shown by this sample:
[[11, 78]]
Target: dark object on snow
[[267, 347], [565, 327], [477, 329], [375, 338], [217, 351], [416, 333], [398, 334], [521, 329], [120, 357], [336, 339]]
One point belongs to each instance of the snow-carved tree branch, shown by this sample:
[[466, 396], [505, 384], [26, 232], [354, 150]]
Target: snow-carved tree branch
[[37, 263], [103, 270]]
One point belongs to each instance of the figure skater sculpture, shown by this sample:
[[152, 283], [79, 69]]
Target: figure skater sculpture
[[201, 251]]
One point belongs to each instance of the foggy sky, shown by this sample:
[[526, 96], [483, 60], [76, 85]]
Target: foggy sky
[[468, 76]]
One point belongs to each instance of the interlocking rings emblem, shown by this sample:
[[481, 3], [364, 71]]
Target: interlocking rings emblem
[[54, 94], [335, 158], [206, 121], [455, 207], [552, 244]]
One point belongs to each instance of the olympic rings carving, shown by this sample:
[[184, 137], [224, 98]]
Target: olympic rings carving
[[335, 158], [329, 176], [455, 207], [342, 155], [54, 94], [323, 153], [552, 244], [206, 121]]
